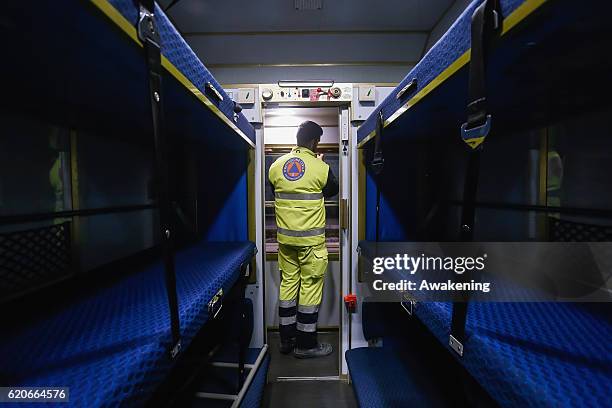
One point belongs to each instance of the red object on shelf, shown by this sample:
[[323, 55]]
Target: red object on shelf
[[314, 94], [350, 301]]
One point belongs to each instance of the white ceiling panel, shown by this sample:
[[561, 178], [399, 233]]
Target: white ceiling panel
[[280, 15], [255, 41], [307, 48]]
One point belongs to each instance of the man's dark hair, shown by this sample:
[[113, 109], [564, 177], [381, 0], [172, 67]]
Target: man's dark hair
[[307, 132]]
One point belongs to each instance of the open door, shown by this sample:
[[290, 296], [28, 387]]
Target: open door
[[280, 127]]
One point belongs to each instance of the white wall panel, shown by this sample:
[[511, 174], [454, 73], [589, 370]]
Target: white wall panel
[[446, 21], [354, 74], [307, 48]]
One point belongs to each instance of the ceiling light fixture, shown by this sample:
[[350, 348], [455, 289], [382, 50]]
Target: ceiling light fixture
[[308, 4]]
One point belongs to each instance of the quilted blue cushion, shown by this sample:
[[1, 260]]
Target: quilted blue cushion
[[534, 354], [384, 378], [541, 354], [448, 48], [179, 53], [111, 348]]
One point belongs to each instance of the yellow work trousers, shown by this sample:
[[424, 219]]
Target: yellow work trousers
[[302, 273], [302, 270]]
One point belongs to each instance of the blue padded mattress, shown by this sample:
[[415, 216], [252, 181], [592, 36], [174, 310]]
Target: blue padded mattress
[[529, 354], [447, 49], [383, 378], [95, 78], [112, 348], [179, 53], [534, 354], [539, 38]]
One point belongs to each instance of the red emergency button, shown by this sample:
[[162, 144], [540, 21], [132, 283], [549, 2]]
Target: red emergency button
[[350, 301]]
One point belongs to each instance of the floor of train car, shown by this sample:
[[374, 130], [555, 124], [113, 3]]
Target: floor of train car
[[282, 390], [285, 365]]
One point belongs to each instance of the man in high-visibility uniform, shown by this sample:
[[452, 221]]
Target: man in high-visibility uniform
[[301, 180]]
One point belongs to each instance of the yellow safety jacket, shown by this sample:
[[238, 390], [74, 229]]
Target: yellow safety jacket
[[298, 178]]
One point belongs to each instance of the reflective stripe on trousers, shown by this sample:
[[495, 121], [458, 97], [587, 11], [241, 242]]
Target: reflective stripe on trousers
[[302, 275], [287, 319], [307, 316]]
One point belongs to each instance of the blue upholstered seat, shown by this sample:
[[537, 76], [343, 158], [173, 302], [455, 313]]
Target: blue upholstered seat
[[112, 347], [523, 354], [447, 50], [179, 53], [562, 29], [543, 354], [384, 377]]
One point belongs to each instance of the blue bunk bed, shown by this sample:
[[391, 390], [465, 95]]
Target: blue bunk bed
[[111, 348], [521, 354], [93, 68], [527, 353], [525, 62], [80, 65]]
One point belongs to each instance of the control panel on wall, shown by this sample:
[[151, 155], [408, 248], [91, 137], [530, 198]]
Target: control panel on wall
[[366, 98], [247, 98], [295, 92]]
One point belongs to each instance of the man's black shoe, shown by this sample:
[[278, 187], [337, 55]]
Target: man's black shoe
[[322, 350], [287, 347]]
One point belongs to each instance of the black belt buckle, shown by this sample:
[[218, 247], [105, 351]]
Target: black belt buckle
[[377, 163], [147, 29], [475, 136]]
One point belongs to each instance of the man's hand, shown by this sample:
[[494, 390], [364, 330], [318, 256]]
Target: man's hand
[[320, 156]]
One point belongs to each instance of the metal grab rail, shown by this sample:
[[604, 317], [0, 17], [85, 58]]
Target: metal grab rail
[[593, 212], [32, 217]]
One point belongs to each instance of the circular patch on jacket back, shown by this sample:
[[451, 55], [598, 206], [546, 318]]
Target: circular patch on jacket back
[[294, 169]]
